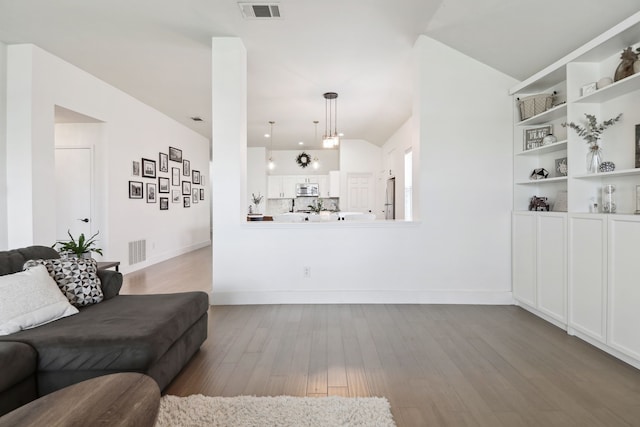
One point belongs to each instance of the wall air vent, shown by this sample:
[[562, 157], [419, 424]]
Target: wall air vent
[[260, 10]]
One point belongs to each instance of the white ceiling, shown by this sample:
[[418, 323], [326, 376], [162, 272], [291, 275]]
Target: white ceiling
[[159, 51]]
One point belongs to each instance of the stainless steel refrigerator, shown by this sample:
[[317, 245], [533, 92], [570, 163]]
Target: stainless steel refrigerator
[[390, 199]]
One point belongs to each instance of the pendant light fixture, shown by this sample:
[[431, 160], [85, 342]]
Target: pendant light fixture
[[316, 163], [330, 138], [271, 165]]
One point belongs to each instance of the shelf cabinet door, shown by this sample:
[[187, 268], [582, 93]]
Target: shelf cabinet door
[[588, 274], [274, 186], [524, 257], [624, 285], [551, 252]]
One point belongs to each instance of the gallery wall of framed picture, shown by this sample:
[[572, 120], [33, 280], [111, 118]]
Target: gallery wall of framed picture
[[171, 176]]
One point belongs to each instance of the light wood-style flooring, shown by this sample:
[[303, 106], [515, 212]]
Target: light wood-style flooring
[[439, 365]]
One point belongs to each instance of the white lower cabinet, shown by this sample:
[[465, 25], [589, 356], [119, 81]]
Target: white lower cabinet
[[588, 274], [539, 262], [624, 285]]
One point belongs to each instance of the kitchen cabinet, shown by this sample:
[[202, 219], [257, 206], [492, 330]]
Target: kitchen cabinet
[[539, 262], [323, 184], [281, 186]]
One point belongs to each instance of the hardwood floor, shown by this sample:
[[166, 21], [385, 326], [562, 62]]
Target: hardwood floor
[[439, 365]]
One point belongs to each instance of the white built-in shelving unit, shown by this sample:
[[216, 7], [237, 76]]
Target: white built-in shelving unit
[[575, 268]]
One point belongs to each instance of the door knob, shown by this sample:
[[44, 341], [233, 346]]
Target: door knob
[[83, 219]]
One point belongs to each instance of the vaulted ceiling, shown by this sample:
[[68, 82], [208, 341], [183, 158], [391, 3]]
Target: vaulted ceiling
[[159, 51]]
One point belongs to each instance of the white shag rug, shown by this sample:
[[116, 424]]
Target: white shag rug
[[282, 411]]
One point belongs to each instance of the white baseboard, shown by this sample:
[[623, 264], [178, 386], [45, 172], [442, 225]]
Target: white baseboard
[[361, 297], [604, 347], [124, 269]]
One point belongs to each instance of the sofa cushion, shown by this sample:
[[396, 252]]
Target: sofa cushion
[[13, 261], [77, 278], [18, 361], [127, 332], [29, 299]]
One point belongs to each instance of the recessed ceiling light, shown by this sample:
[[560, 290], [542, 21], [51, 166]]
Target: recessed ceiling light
[[266, 135], [301, 143], [341, 134]]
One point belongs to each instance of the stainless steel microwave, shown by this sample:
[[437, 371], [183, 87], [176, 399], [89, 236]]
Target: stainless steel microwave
[[307, 190]]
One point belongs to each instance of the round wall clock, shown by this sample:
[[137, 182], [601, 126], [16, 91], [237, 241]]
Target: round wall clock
[[303, 160]]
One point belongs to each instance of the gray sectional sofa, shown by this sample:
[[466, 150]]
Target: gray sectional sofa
[[151, 334]]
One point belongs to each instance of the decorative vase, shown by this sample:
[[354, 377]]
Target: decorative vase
[[594, 159], [609, 198]]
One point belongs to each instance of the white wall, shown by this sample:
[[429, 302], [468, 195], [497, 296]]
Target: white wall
[[37, 81], [458, 253], [286, 164], [3, 146], [393, 152]]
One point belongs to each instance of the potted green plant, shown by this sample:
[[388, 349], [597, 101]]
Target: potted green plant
[[80, 248]]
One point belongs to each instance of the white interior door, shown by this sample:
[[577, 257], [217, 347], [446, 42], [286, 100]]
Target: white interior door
[[360, 192], [73, 192]]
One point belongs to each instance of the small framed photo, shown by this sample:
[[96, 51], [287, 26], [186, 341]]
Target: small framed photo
[[560, 204], [148, 168], [175, 177], [164, 203], [175, 196], [135, 190], [186, 168], [202, 180], [186, 188], [588, 89], [175, 154], [562, 168], [195, 195], [186, 201], [163, 185], [163, 161], [195, 177], [135, 168], [151, 193], [533, 136], [202, 194]]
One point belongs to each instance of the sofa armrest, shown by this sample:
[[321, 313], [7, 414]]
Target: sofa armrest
[[111, 282], [17, 362]]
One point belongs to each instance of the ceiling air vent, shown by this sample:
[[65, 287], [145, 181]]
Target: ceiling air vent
[[260, 10]]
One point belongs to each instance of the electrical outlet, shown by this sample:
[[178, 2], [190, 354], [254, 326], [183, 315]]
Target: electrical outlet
[[306, 272]]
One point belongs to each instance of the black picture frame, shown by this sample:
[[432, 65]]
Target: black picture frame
[[186, 168], [152, 191], [163, 162], [195, 196], [136, 190], [195, 176], [175, 177], [186, 188], [163, 185], [148, 168], [202, 194], [175, 196], [175, 154], [164, 203], [186, 201]]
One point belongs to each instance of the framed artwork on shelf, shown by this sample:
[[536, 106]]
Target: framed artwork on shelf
[[164, 203], [186, 188], [163, 161], [175, 177], [561, 167], [195, 177], [588, 88], [186, 168], [533, 137], [202, 194], [151, 193], [163, 185], [175, 196], [175, 154], [148, 168], [186, 201], [135, 190], [135, 168], [561, 202], [195, 195], [638, 146]]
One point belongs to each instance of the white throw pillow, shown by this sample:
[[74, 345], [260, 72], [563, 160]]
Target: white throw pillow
[[30, 298]]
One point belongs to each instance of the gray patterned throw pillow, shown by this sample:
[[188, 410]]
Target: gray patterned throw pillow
[[77, 278]]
